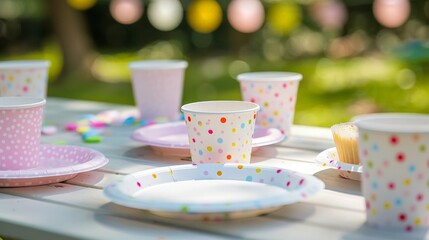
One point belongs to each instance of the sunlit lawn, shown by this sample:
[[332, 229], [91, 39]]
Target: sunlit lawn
[[331, 91]]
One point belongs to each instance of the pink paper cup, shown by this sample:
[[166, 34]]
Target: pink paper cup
[[220, 131], [394, 152], [24, 78], [276, 93], [158, 87], [20, 125]]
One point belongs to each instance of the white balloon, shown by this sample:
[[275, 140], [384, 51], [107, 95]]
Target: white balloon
[[165, 15]]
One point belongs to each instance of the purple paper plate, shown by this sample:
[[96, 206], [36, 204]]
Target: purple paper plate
[[172, 138]]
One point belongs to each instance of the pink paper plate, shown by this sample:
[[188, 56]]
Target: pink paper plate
[[329, 158], [59, 163], [172, 138]]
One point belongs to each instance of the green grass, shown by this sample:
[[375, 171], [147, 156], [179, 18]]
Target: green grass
[[78, 87], [331, 92]]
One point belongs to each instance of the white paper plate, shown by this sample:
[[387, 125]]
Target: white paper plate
[[329, 158], [212, 191]]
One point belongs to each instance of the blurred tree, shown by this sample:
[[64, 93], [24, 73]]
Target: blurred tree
[[76, 44]]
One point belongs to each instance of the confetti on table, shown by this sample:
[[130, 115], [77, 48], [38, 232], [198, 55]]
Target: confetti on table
[[61, 142], [83, 129], [91, 127], [49, 130], [71, 127], [93, 139]]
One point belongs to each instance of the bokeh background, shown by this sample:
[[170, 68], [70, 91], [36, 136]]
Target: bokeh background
[[356, 56]]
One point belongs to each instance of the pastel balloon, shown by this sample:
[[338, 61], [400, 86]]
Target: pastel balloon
[[165, 15], [126, 11], [391, 13], [246, 15]]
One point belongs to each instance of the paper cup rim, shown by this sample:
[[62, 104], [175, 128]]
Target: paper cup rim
[[20, 102], [24, 64], [221, 107], [393, 122], [269, 76], [158, 64]]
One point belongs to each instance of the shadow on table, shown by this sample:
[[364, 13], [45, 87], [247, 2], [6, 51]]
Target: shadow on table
[[90, 179], [262, 154], [123, 211], [146, 153], [43, 191], [296, 211], [250, 228], [367, 232], [129, 221], [138, 152], [266, 151], [333, 181]]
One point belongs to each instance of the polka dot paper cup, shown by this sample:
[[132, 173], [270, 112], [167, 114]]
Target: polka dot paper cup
[[394, 152], [158, 87], [276, 93], [24, 78], [20, 125], [220, 131]]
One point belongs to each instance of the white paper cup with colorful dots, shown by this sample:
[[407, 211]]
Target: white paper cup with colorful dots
[[220, 131], [24, 78], [276, 93], [394, 152], [20, 126], [158, 87]]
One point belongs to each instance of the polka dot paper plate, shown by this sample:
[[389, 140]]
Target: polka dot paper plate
[[212, 191], [172, 138], [58, 163], [329, 158]]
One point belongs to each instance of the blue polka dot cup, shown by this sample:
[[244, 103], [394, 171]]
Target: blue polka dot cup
[[220, 131], [24, 78], [276, 93], [394, 152]]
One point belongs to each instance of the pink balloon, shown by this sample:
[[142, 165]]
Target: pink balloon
[[246, 15], [126, 11], [391, 13], [330, 14]]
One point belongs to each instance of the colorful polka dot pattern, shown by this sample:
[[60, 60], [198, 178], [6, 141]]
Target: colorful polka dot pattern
[[395, 179], [277, 101], [20, 138], [215, 138], [297, 186], [329, 159], [24, 82]]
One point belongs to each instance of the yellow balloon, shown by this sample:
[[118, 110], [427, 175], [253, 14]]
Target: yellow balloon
[[284, 17], [81, 4], [204, 16]]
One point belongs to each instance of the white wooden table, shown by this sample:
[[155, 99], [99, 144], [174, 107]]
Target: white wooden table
[[77, 209]]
